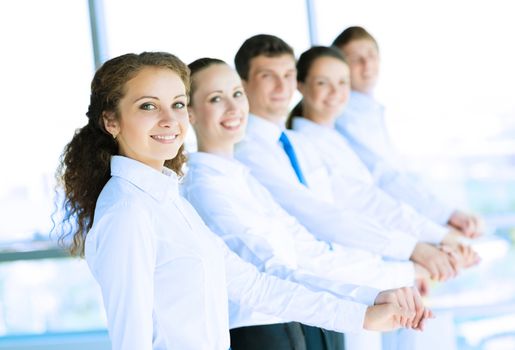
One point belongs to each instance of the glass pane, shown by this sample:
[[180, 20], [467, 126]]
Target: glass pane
[[46, 69], [47, 296], [190, 30]]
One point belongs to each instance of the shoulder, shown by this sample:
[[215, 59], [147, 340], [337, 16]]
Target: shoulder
[[122, 203]]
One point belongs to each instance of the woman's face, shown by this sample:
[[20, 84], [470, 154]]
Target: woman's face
[[153, 117], [326, 88], [219, 107]]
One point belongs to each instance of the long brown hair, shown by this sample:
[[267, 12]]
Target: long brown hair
[[85, 162]]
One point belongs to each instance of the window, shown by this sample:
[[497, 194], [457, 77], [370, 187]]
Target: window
[[46, 73]]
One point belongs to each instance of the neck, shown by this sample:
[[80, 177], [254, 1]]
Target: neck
[[277, 119], [369, 92], [320, 119], [226, 150]]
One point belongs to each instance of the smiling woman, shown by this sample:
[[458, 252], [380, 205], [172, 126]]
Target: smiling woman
[[112, 113], [153, 118], [227, 106]]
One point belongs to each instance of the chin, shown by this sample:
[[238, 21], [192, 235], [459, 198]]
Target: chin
[[238, 137], [172, 154]]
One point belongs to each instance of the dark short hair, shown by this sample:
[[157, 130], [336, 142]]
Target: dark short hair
[[351, 34], [257, 45]]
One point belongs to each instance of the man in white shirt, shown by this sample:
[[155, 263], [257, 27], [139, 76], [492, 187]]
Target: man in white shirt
[[270, 80], [362, 124]]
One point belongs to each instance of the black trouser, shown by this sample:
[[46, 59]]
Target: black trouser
[[285, 336], [318, 338]]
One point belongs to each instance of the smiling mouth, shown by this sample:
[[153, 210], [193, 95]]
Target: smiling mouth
[[231, 124], [165, 138]]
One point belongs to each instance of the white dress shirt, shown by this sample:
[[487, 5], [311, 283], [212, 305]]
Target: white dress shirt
[[166, 278], [355, 187], [239, 209], [363, 126], [314, 206]]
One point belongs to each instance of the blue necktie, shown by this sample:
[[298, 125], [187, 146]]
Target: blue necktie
[[293, 158]]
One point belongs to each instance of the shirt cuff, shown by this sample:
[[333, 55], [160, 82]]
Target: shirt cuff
[[441, 214], [400, 245], [365, 295], [350, 317], [433, 233]]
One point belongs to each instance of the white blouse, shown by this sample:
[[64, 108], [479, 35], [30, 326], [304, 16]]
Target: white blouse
[[166, 279], [363, 125], [356, 189]]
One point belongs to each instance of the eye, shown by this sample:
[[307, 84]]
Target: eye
[[148, 107], [178, 105], [215, 99], [320, 82], [238, 93]]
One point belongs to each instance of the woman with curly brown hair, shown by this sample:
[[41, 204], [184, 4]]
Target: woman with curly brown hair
[[165, 278]]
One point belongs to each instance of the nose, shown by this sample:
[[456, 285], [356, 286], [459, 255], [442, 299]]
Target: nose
[[365, 63], [232, 106], [168, 118], [332, 89], [279, 84]]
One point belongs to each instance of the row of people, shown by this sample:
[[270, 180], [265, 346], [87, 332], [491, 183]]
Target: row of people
[[309, 240]]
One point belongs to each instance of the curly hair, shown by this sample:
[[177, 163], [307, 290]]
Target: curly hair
[[84, 167]]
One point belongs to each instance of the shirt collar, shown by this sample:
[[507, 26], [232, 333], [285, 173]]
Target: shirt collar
[[300, 123], [159, 185], [223, 165], [361, 100], [263, 129]]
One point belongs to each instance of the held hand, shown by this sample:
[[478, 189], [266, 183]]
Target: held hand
[[384, 317], [423, 287], [452, 238], [421, 272], [407, 299], [440, 265], [464, 254], [422, 278], [468, 225], [427, 314]]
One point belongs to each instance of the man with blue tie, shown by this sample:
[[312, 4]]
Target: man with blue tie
[[268, 103]]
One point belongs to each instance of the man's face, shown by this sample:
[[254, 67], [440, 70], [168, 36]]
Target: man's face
[[363, 58], [270, 86]]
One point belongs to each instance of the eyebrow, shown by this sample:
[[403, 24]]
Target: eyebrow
[[156, 98]]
